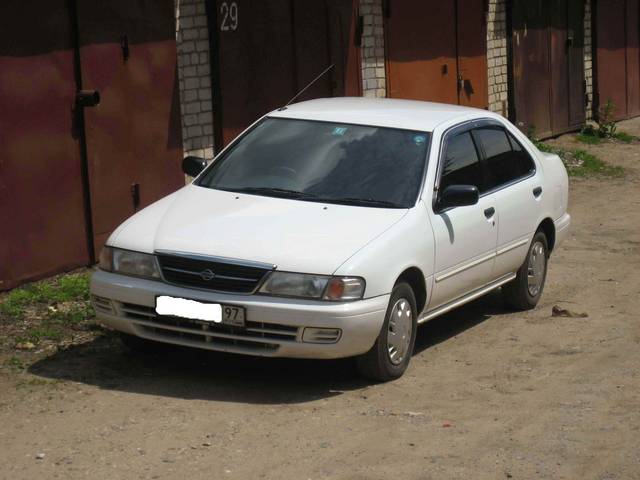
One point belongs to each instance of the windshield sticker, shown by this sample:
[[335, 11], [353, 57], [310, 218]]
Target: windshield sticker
[[419, 139], [339, 131]]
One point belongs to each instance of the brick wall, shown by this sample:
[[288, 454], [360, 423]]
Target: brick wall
[[192, 38], [497, 57], [374, 83], [588, 58]]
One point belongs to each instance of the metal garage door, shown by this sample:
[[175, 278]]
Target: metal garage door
[[128, 54], [69, 175], [41, 195], [436, 51], [267, 51], [618, 57], [548, 65]]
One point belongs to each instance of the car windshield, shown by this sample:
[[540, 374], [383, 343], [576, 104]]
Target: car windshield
[[325, 162]]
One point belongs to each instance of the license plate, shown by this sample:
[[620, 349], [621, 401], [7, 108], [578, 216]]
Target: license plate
[[206, 312]]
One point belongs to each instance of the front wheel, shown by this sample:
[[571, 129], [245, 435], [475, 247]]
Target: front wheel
[[524, 292], [391, 353]]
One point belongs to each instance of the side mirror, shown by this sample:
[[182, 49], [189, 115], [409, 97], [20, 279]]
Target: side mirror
[[192, 166], [458, 196]]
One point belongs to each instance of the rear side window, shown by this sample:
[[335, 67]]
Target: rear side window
[[505, 160], [461, 163]]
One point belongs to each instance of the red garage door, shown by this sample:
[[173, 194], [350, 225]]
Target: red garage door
[[436, 51], [128, 55], [42, 214], [68, 174]]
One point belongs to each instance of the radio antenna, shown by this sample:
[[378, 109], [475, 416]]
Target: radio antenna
[[307, 87]]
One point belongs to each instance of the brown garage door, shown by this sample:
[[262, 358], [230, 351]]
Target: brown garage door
[[128, 54], [618, 58], [267, 51], [436, 51], [41, 195], [548, 65]]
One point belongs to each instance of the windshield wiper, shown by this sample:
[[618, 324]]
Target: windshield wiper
[[370, 202], [286, 193], [276, 192]]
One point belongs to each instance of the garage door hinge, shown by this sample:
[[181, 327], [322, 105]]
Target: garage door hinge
[[135, 195], [359, 28]]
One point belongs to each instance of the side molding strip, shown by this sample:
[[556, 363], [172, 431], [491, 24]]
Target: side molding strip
[[466, 298], [466, 266], [513, 246]]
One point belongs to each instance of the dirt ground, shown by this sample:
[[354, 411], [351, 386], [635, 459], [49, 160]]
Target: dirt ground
[[489, 394]]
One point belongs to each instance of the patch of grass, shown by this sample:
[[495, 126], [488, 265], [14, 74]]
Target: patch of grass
[[48, 310], [588, 139], [593, 166], [37, 382], [66, 288], [624, 137], [580, 163]]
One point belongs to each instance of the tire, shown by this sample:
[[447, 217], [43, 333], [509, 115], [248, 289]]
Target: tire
[[380, 363], [518, 293], [142, 345]]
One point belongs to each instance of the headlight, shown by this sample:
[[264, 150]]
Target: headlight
[[129, 263], [313, 286]]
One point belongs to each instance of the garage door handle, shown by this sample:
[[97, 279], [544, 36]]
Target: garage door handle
[[87, 98], [537, 192], [489, 212]]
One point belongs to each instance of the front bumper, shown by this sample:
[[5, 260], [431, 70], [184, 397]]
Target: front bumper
[[275, 326]]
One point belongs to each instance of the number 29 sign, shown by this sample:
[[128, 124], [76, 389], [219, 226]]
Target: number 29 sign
[[229, 16]]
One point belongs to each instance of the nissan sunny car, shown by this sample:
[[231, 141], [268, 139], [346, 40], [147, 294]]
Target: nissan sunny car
[[334, 228]]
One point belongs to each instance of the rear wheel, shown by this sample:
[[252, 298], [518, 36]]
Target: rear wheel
[[391, 353], [524, 292]]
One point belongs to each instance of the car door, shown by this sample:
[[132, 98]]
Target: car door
[[515, 183], [465, 237]]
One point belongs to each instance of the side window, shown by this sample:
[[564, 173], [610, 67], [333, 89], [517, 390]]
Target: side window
[[505, 160], [461, 163]]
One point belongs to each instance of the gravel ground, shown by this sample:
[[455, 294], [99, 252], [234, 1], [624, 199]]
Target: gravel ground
[[489, 394]]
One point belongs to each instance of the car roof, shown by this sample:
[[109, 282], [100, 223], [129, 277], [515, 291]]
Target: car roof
[[381, 112]]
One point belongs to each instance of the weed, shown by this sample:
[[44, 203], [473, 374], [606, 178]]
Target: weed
[[606, 125], [14, 362]]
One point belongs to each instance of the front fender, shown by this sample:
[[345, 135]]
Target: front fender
[[409, 243]]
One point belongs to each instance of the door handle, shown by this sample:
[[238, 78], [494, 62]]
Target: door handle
[[489, 212], [537, 192], [87, 98]]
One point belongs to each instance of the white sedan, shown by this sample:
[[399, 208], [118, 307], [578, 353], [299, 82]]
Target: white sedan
[[333, 228]]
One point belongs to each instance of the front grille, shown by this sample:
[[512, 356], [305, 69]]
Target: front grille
[[209, 274], [253, 337], [102, 305]]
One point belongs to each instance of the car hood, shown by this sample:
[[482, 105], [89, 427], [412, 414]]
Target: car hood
[[294, 235]]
